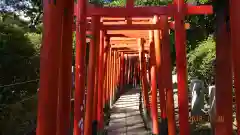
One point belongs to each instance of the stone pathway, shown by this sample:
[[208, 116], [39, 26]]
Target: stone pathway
[[125, 117]]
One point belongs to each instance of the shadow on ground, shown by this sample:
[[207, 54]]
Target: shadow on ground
[[125, 116]]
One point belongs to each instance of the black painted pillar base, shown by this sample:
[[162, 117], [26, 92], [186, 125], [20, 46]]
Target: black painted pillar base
[[94, 127], [101, 132], [106, 112], [164, 127]]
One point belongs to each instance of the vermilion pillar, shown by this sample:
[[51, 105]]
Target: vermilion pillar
[[118, 69], [235, 41], [49, 68], [91, 79], [126, 69], [108, 77], [104, 90], [106, 51], [149, 67], [65, 81], [135, 73], [154, 109], [108, 90], [111, 77], [158, 51], [223, 120], [167, 74], [112, 63], [138, 72], [181, 64], [100, 84], [80, 67], [114, 75], [129, 4], [130, 70], [122, 61], [95, 95], [143, 72]]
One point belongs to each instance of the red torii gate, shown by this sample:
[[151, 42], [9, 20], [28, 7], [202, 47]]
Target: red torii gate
[[55, 75]]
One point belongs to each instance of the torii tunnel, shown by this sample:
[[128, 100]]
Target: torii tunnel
[[122, 38]]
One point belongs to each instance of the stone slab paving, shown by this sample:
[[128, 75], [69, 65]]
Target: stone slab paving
[[125, 116]]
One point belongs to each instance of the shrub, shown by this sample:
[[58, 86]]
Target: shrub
[[19, 63], [36, 40], [200, 61]]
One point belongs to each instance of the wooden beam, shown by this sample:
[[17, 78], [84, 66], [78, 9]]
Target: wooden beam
[[128, 48], [133, 12], [139, 26], [130, 34], [133, 26], [199, 10]]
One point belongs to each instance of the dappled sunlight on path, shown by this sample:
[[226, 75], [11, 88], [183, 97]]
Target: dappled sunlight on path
[[125, 117]]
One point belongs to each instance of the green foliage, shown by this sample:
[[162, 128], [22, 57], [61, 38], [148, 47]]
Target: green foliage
[[97, 2], [19, 118], [19, 62], [172, 45], [121, 3], [116, 3], [13, 20], [198, 1], [201, 27], [152, 2], [200, 61], [36, 40], [30, 9]]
